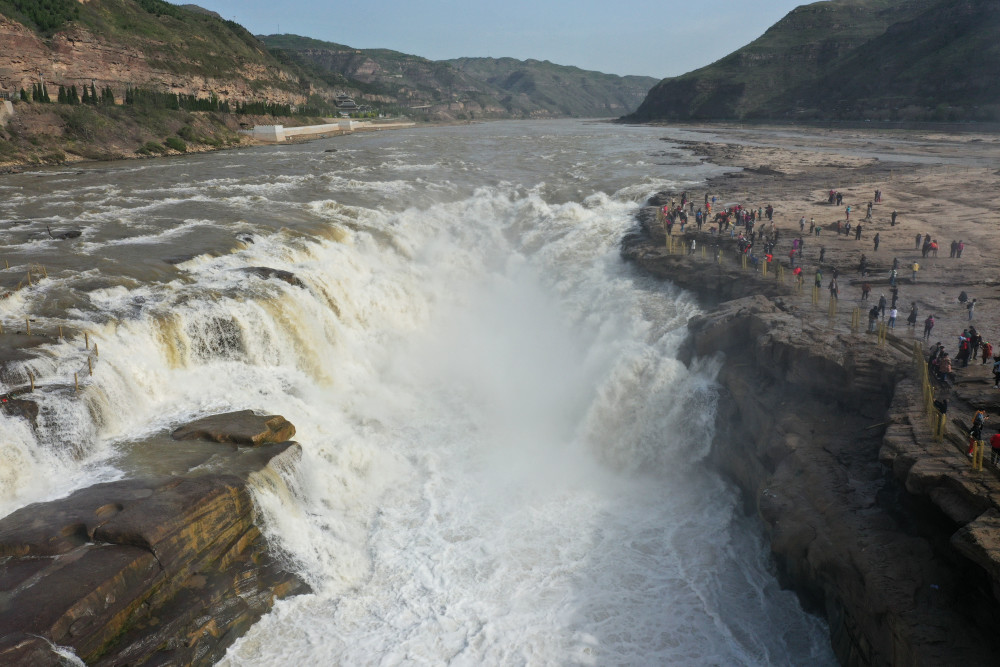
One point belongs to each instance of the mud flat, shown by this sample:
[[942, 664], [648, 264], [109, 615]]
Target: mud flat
[[884, 530]]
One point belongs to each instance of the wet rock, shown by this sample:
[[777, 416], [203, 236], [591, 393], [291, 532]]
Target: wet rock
[[265, 272], [162, 570], [240, 428], [19, 407], [64, 234]]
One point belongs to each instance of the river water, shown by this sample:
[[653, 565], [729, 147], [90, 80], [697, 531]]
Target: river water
[[503, 462]]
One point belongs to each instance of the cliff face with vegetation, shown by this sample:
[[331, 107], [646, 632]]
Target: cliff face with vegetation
[[139, 43], [907, 60]]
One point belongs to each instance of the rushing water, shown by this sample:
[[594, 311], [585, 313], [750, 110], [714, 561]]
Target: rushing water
[[503, 462]]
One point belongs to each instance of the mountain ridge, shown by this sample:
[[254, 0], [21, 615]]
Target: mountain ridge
[[909, 60]]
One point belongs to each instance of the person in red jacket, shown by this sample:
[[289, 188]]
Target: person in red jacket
[[995, 448]]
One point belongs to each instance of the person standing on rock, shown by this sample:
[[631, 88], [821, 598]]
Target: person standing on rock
[[917, 247], [872, 319], [961, 247], [986, 351], [865, 291], [914, 267], [911, 319], [857, 232], [928, 326], [972, 308], [892, 317], [876, 241], [802, 224], [848, 212], [893, 223], [996, 372], [976, 430], [834, 290], [881, 305], [995, 448], [822, 254]]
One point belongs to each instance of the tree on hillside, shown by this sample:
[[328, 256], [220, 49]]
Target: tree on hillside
[[24, 95], [61, 98], [86, 95]]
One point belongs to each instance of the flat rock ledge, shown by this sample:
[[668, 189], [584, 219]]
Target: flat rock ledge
[[239, 428], [887, 533], [161, 569]]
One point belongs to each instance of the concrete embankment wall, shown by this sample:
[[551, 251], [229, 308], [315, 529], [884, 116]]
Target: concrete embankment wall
[[280, 133]]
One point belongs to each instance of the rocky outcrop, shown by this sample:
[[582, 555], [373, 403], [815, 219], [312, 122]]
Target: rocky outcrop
[[240, 428], [164, 568], [883, 532]]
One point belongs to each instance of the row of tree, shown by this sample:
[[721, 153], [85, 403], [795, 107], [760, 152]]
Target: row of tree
[[142, 97]]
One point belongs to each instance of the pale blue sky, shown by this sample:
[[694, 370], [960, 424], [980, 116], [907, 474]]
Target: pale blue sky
[[650, 37]]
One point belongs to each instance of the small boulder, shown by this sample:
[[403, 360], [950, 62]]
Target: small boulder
[[265, 272], [239, 428]]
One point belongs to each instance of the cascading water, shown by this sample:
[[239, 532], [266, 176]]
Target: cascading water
[[503, 462]]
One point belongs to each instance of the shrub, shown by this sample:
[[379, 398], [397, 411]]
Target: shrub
[[176, 143], [151, 147], [187, 133]]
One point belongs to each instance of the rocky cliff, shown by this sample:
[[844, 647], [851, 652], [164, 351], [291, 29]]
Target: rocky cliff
[[117, 43], [165, 567], [909, 60], [888, 534]]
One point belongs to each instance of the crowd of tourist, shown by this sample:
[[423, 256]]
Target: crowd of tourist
[[758, 238]]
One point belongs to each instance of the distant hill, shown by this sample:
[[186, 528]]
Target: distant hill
[[850, 60], [559, 89], [465, 87]]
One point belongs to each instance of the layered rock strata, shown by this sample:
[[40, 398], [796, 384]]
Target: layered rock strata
[[167, 567], [888, 534]]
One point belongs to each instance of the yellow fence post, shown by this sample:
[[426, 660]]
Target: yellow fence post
[[703, 253], [882, 329], [27, 325], [833, 306], [743, 260], [815, 295], [764, 263], [977, 454]]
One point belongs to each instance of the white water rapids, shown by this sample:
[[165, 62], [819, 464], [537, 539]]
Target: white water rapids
[[503, 462]]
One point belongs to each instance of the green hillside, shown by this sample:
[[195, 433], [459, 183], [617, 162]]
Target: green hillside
[[849, 59]]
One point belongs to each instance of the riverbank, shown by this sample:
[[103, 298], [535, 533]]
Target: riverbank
[[39, 135], [887, 532]]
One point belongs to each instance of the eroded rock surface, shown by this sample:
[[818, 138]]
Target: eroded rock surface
[[158, 569]]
